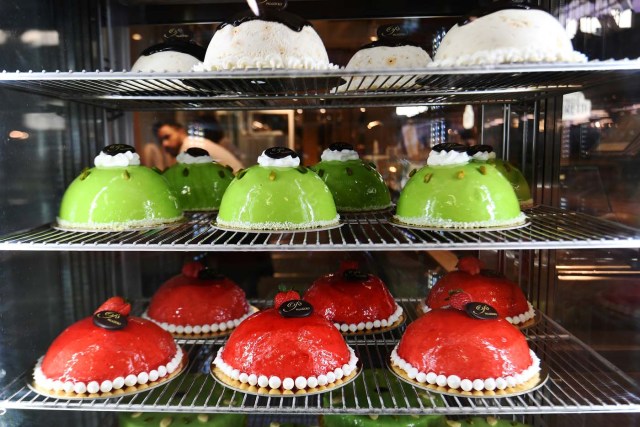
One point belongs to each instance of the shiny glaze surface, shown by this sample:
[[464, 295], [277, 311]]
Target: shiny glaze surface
[[291, 196], [343, 301], [515, 177], [360, 188], [294, 22], [475, 197], [198, 186], [85, 352], [185, 301], [449, 342], [499, 292], [118, 195], [268, 344]]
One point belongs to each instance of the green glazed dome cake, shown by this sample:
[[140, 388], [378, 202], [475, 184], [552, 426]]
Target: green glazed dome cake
[[277, 194], [380, 387], [118, 194], [484, 153], [451, 192], [197, 181], [356, 186]]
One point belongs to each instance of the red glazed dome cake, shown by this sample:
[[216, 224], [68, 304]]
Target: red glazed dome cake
[[198, 303], [284, 350], [354, 301], [448, 350], [471, 281], [109, 353]]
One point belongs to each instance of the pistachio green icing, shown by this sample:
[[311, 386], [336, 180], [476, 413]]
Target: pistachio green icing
[[485, 422], [199, 186], [381, 396], [191, 389], [355, 185], [277, 198], [515, 177], [118, 198], [469, 195]]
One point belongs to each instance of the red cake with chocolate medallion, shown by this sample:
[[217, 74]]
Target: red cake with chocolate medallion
[[354, 301], [107, 353], [286, 348], [451, 349], [198, 301], [482, 286]]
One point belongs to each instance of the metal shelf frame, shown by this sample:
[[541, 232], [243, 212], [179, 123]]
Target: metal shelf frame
[[549, 228], [293, 89], [580, 381]]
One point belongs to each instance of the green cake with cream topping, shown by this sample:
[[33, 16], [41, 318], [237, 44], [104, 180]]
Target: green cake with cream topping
[[485, 154], [118, 194], [277, 194], [356, 186], [197, 181], [378, 388], [451, 192]]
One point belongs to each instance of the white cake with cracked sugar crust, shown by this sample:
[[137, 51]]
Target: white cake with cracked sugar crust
[[515, 33], [274, 39]]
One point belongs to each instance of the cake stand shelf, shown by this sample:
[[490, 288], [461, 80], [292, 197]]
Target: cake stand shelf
[[549, 228], [290, 89], [580, 381]]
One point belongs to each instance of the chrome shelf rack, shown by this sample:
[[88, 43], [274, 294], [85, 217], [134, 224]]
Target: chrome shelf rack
[[580, 381], [549, 228], [290, 89]]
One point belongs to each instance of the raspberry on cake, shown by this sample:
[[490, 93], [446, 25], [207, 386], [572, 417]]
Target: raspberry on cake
[[448, 350], [290, 349], [482, 286], [354, 301], [198, 303], [356, 186], [107, 354]]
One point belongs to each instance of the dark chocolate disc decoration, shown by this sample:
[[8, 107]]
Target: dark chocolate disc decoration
[[491, 273], [353, 275], [450, 146], [481, 311], [197, 152], [178, 34], [177, 40], [488, 7], [111, 320], [340, 146], [210, 274], [295, 308], [270, 11], [479, 149], [267, 5], [391, 35], [280, 152], [392, 31], [115, 149]]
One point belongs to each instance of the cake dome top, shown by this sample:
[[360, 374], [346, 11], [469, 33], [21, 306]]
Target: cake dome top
[[117, 155], [339, 151], [177, 40]]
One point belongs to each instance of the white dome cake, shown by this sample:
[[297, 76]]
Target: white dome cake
[[392, 50], [178, 53], [274, 39], [511, 33]]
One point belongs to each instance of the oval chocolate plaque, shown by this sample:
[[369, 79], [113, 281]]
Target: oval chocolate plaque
[[111, 320], [295, 308], [480, 310]]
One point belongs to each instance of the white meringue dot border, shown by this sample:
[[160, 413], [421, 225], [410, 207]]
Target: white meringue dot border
[[523, 320], [272, 385], [118, 387], [511, 385], [377, 326], [197, 332]]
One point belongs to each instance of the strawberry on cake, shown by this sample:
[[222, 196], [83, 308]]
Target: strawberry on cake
[[198, 303], [108, 354], [356, 302], [284, 350], [471, 352], [471, 282]]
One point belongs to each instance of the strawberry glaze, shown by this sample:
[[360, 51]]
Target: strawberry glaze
[[449, 342], [350, 301], [185, 301], [84, 352], [268, 344]]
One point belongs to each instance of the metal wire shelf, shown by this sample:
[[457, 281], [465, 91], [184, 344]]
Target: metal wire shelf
[[549, 228], [580, 381], [251, 89]]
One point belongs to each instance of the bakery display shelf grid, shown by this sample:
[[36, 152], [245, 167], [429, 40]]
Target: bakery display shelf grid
[[581, 381], [549, 228], [287, 89]]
